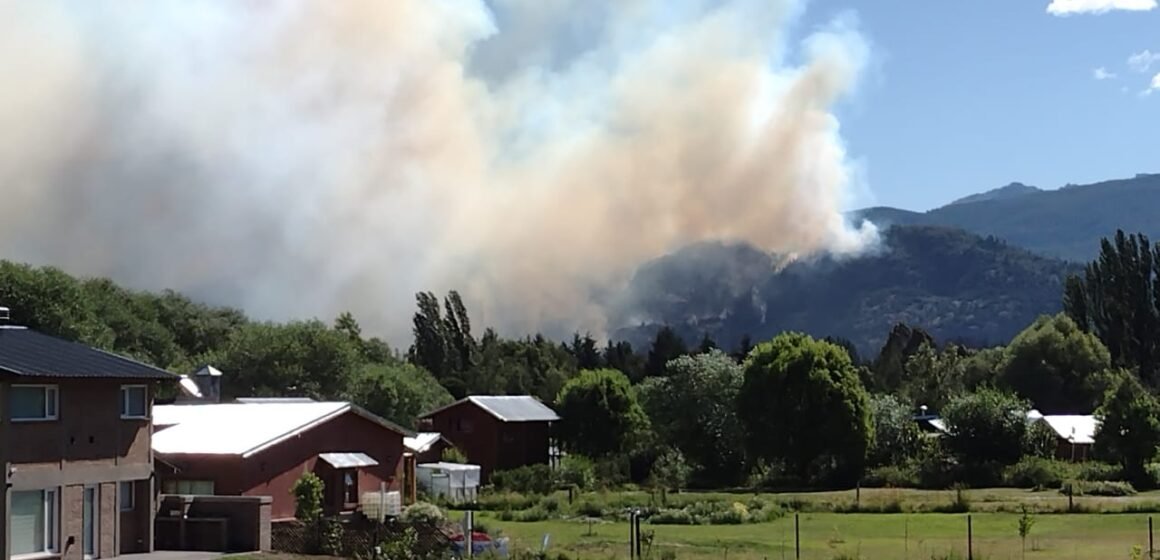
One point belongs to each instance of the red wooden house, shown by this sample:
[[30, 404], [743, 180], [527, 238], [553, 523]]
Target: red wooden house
[[496, 432], [261, 447]]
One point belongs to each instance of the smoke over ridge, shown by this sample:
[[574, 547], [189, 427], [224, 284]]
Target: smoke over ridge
[[300, 158]]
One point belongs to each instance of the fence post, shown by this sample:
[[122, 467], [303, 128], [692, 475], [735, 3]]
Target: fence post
[[970, 540], [468, 529], [636, 524], [632, 536], [797, 537], [1150, 548]]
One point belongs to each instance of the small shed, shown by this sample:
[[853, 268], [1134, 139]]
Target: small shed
[[428, 447], [454, 482]]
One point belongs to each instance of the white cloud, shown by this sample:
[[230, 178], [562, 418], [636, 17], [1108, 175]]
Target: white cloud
[[1102, 74], [1143, 60], [1068, 7], [1156, 82]]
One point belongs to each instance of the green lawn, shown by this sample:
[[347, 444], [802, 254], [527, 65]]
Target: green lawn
[[825, 536]]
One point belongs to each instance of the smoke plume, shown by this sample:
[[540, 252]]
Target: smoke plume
[[300, 157]]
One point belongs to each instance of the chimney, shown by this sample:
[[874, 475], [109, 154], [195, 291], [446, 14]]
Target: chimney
[[209, 383]]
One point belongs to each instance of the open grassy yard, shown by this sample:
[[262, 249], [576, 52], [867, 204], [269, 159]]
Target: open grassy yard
[[826, 536], [878, 524]]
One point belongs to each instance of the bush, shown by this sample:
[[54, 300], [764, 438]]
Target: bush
[[1093, 471], [1037, 472], [892, 477], [1098, 488], [307, 492], [423, 512], [530, 479], [672, 517], [587, 508], [453, 455], [577, 471]]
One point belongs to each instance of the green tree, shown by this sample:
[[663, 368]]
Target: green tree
[[666, 346], [621, 356], [1055, 365], [694, 410], [1118, 299], [398, 391], [430, 349], [1129, 426], [801, 403], [670, 471], [931, 376], [585, 351], [889, 368], [897, 438], [600, 414], [987, 427]]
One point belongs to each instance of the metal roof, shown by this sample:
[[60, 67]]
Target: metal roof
[[25, 352], [422, 441], [349, 460], [1075, 428], [244, 428], [507, 408]]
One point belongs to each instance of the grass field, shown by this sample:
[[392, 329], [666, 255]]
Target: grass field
[[826, 536], [1109, 532]]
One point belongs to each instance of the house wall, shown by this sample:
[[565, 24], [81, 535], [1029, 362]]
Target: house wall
[[274, 471], [473, 431], [490, 443], [87, 444]]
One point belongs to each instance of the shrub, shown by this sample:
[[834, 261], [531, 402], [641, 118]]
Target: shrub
[[672, 517], [530, 479], [577, 471], [1098, 488], [423, 512], [587, 508], [1037, 472], [453, 455], [307, 492], [1093, 471], [505, 501], [892, 477]]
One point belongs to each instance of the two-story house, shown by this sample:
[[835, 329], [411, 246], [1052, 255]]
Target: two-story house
[[75, 448]]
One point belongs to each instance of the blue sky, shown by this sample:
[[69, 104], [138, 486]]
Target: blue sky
[[965, 96]]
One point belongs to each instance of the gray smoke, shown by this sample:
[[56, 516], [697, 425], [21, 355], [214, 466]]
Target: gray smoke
[[300, 158]]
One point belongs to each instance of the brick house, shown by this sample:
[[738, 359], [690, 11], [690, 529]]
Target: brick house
[[75, 437], [496, 432], [261, 447]]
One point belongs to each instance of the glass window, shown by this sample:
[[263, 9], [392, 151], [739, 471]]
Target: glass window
[[33, 521], [33, 402], [134, 401], [127, 498]]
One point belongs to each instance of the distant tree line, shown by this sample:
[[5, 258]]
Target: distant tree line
[[793, 410]]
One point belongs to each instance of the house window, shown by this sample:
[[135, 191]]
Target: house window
[[134, 401], [189, 487], [127, 497], [33, 402], [33, 519]]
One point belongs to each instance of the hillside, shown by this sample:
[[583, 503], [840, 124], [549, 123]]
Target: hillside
[[954, 284], [1067, 223]]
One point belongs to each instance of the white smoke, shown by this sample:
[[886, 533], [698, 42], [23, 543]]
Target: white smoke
[[303, 157]]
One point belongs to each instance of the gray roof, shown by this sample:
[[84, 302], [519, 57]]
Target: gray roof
[[508, 408], [25, 352]]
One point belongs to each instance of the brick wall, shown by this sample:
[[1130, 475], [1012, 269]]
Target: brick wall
[[249, 521]]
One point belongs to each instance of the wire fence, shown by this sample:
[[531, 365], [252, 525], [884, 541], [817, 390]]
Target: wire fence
[[833, 536]]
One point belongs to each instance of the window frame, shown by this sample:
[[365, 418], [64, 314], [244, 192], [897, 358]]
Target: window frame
[[127, 488], [52, 416], [126, 390], [50, 498]]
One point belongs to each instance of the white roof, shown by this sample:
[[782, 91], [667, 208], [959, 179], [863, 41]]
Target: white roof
[[241, 428], [1076, 428], [938, 424], [509, 408], [422, 441], [348, 460], [448, 466]]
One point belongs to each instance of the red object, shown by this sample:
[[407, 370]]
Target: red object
[[476, 536]]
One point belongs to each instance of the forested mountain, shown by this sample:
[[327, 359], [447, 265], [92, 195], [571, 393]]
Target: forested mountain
[[955, 285], [1067, 223]]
